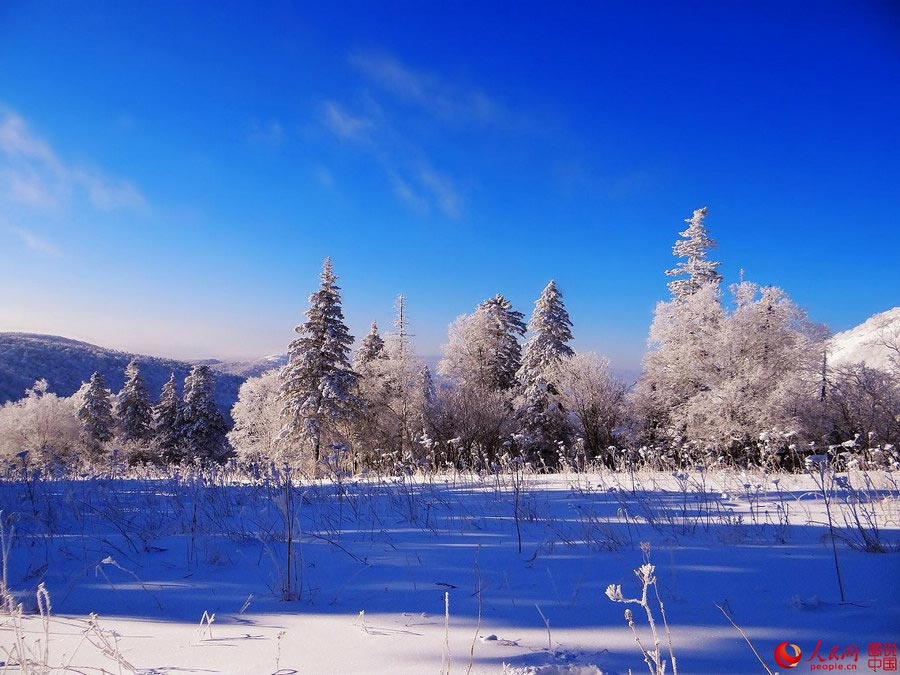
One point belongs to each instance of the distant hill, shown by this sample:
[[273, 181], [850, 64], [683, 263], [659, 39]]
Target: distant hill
[[65, 364], [247, 369], [866, 343]]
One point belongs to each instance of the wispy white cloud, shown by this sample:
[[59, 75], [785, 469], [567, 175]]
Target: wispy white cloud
[[17, 140], [343, 124], [449, 101], [26, 187], [377, 124], [36, 243], [33, 174], [413, 179], [442, 189], [407, 194]]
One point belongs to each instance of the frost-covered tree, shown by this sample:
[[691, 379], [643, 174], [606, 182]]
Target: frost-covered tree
[[504, 353], [371, 348], [480, 360], [317, 384], [594, 399], [722, 380], [465, 356], [765, 376], [133, 410], [257, 420], [680, 362], [393, 394], [694, 248], [866, 402], [551, 330], [543, 421], [201, 427], [683, 343], [95, 414], [40, 424], [483, 347], [165, 421]]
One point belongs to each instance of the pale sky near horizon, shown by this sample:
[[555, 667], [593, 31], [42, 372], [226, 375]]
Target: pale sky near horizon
[[173, 174]]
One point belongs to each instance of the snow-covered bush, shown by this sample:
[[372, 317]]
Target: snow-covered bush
[[42, 424]]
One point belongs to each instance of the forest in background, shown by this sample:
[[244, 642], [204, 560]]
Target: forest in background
[[737, 377]]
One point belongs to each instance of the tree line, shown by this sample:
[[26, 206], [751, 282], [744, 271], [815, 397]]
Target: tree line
[[95, 426], [738, 381]]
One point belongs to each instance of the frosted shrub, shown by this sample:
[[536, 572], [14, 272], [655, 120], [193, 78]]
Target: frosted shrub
[[645, 573]]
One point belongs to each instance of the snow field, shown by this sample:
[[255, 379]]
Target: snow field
[[372, 560]]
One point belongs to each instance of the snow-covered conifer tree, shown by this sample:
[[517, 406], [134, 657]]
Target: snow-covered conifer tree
[[693, 247], [371, 348], [483, 349], [165, 421], [684, 338], [133, 410], [550, 328], [201, 427], [95, 413], [542, 417], [317, 384], [504, 357]]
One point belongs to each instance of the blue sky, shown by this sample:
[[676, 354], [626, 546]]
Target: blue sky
[[172, 174]]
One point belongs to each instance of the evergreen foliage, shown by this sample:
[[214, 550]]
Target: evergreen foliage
[[133, 410], [166, 420], [693, 247], [95, 414], [371, 348], [504, 353], [551, 331], [201, 427], [317, 384]]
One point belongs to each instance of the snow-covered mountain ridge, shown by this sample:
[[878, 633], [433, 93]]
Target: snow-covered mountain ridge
[[66, 363], [874, 342]]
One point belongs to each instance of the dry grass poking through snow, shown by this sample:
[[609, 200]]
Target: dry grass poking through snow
[[465, 573]]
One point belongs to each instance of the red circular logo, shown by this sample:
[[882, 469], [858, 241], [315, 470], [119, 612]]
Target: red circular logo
[[783, 655]]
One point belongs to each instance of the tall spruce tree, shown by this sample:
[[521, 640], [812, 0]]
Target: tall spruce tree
[[201, 427], [133, 410], [551, 330], [317, 383], [95, 413], [505, 353], [370, 349], [542, 417], [165, 421], [694, 247]]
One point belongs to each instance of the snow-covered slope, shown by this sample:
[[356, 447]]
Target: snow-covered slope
[[66, 363], [866, 343], [246, 369]]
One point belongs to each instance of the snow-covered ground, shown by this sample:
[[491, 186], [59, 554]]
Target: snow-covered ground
[[373, 562]]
